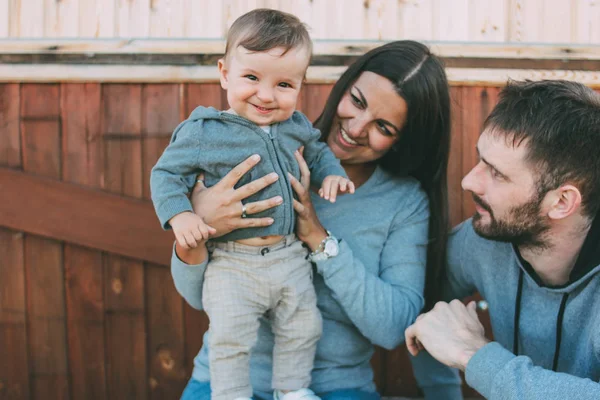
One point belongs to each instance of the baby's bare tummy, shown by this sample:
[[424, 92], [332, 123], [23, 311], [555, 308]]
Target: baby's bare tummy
[[261, 241]]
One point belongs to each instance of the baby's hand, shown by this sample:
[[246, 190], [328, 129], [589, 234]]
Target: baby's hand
[[334, 183], [190, 229]]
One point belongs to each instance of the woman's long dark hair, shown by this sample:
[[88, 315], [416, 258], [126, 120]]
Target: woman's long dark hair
[[424, 144]]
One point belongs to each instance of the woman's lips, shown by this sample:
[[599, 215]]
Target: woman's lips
[[344, 141]]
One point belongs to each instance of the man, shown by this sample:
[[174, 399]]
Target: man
[[532, 250]]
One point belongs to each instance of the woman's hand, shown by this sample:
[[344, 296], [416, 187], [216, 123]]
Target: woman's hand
[[220, 206], [308, 227]]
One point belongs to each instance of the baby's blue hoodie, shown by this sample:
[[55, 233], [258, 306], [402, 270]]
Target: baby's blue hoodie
[[215, 141], [546, 339]]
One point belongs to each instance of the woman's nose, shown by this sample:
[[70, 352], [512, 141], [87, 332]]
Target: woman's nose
[[357, 128]]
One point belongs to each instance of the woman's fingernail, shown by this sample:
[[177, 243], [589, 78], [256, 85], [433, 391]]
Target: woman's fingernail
[[255, 157], [270, 220], [278, 200]]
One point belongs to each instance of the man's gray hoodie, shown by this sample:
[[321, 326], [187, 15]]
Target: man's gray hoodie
[[215, 141], [546, 339]]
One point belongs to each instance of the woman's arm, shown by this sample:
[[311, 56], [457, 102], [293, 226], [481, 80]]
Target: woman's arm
[[187, 270], [380, 306]]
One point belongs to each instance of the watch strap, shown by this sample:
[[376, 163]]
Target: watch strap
[[319, 253]]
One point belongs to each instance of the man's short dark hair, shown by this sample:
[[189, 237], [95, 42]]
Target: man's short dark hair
[[559, 122], [264, 29]]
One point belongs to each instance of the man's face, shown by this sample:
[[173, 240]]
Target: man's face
[[508, 204]]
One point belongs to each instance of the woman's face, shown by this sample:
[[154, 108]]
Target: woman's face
[[368, 122]]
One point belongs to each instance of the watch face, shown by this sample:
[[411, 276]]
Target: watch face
[[331, 248]]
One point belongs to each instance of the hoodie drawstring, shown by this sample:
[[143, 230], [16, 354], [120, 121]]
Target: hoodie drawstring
[[517, 314], [559, 321]]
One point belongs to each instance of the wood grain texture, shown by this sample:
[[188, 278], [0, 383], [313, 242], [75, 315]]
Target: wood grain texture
[[97, 316], [14, 376], [85, 322], [14, 370], [313, 100], [541, 21], [455, 170], [165, 320], [125, 334], [124, 282], [40, 101], [161, 113], [46, 319], [82, 148], [82, 164], [10, 142], [138, 236], [46, 315]]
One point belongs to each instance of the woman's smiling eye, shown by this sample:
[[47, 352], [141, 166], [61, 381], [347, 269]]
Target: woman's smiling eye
[[356, 101], [384, 129]]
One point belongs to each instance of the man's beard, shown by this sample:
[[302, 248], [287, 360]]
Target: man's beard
[[523, 226]]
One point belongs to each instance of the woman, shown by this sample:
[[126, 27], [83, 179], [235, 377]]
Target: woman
[[388, 121]]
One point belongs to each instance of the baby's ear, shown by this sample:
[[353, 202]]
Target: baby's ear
[[223, 73]]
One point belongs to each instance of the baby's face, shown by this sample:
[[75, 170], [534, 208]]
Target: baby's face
[[264, 86]]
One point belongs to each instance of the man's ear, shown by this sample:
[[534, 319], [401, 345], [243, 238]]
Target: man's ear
[[223, 73], [565, 201]]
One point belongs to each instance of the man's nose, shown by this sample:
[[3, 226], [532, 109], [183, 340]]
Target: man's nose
[[472, 180]]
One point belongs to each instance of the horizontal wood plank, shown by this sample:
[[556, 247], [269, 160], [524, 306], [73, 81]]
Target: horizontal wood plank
[[82, 216], [206, 74], [320, 47]]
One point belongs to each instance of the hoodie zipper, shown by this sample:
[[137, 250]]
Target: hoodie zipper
[[284, 182], [286, 187]]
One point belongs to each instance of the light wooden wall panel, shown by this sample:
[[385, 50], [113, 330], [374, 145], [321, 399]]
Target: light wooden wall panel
[[542, 21]]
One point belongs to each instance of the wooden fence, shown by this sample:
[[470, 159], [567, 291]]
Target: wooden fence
[[525, 21], [88, 309]]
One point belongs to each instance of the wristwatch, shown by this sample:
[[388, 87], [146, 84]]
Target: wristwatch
[[329, 247]]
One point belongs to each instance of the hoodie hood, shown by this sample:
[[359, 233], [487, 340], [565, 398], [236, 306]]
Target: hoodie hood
[[586, 265], [205, 113]]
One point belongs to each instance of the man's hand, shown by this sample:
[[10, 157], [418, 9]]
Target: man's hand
[[333, 184], [451, 333]]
